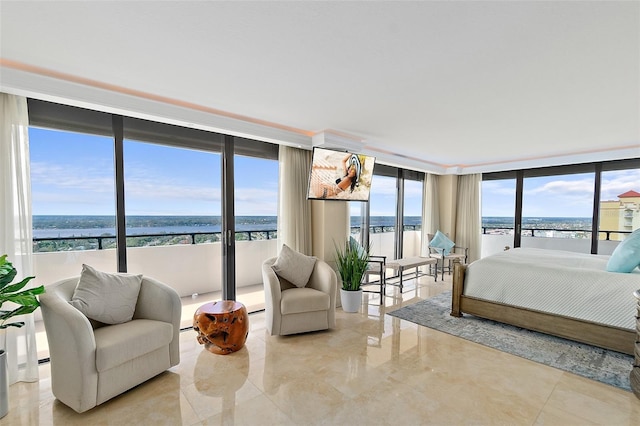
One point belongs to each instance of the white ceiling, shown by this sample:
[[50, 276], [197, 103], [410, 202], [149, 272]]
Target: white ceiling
[[445, 87]]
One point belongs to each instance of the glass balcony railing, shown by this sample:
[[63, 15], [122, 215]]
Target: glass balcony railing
[[495, 240], [552, 232], [61, 257], [102, 242]]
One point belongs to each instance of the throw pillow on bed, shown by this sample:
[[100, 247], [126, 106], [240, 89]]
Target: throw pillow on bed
[[442, 242], [626, 257], [105, 297], [293, 266]]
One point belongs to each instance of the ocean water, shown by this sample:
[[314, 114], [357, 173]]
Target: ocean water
[[93, 226], [51, 226], [575, 223]]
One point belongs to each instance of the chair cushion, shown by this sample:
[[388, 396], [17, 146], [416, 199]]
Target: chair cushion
[[441, 241], [293, 266], [298, 300], [104, 297], [117, 344]]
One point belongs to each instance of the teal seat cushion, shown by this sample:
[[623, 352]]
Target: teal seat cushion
[[626, 257], [442, 242]]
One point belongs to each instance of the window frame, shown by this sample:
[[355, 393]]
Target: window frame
[[595, 167]]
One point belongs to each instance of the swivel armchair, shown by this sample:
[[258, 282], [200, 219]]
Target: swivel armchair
[[290, 309], [92, 362]]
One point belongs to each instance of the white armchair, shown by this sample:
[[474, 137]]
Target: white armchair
[[291, 310], [92, 362]]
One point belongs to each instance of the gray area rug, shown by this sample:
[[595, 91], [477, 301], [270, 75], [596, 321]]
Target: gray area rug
[[594, 363]]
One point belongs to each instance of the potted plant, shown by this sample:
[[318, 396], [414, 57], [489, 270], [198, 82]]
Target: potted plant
[[25, 302], [352, 262]]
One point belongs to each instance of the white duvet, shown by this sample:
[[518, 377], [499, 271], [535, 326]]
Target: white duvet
[[558, 282]]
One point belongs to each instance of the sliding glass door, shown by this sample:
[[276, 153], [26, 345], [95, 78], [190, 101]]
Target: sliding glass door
[[557, 212], [412, 218], [172, 203], [256, 213], [584, 208], [157, 189], [382, 214], [73, 202]]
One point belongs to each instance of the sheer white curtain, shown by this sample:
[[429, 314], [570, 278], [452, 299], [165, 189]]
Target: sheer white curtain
[[294, 210], [468, 217], [15, 227], [430, 211]]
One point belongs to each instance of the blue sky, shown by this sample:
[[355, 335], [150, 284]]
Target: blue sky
[[73, 174], [557, 196]]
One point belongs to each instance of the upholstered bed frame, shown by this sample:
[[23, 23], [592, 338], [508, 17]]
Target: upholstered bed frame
[[615, 338]]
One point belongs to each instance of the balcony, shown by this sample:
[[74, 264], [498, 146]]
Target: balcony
[[495, 240], [192, 269], [198, 277]]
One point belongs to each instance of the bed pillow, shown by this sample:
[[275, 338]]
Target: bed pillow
[[442, 242], [104, 297], [293, 266], [626, 257]]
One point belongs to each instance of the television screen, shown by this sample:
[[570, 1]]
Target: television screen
[[337, 175]]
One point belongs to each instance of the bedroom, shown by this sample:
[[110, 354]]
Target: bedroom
[[552, 66]]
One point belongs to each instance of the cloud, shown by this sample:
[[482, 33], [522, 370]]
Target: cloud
[[570, 195], [496, 187], [66, 178], [256, 202], [169, 191], [618, 182], [73, 189], [564, 187]]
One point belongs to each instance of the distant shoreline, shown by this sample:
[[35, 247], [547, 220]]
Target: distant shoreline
[[52, 226]]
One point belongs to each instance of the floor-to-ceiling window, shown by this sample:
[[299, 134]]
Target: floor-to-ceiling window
[[166, 206], [558, 207], [73, 196], [619, 205], [498, 214], [382, 216], [395, 203], [583, 207], [412, 216], [357, 212], [256, 212], [172, 203]]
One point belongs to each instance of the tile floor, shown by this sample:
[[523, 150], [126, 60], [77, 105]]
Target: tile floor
[[372, 369]]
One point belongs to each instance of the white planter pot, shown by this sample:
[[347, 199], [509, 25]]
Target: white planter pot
[[4, 385], [351, 300]]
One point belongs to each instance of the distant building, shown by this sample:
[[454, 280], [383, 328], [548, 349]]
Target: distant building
[[620, 215]]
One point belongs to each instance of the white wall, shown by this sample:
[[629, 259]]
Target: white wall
[[188, 268]]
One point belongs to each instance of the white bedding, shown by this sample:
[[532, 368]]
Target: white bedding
[[558, 282]]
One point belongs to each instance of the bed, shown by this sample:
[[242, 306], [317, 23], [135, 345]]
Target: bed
[[565, 294]]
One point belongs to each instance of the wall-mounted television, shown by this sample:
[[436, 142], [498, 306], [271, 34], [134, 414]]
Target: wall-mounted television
[[339, 175]]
